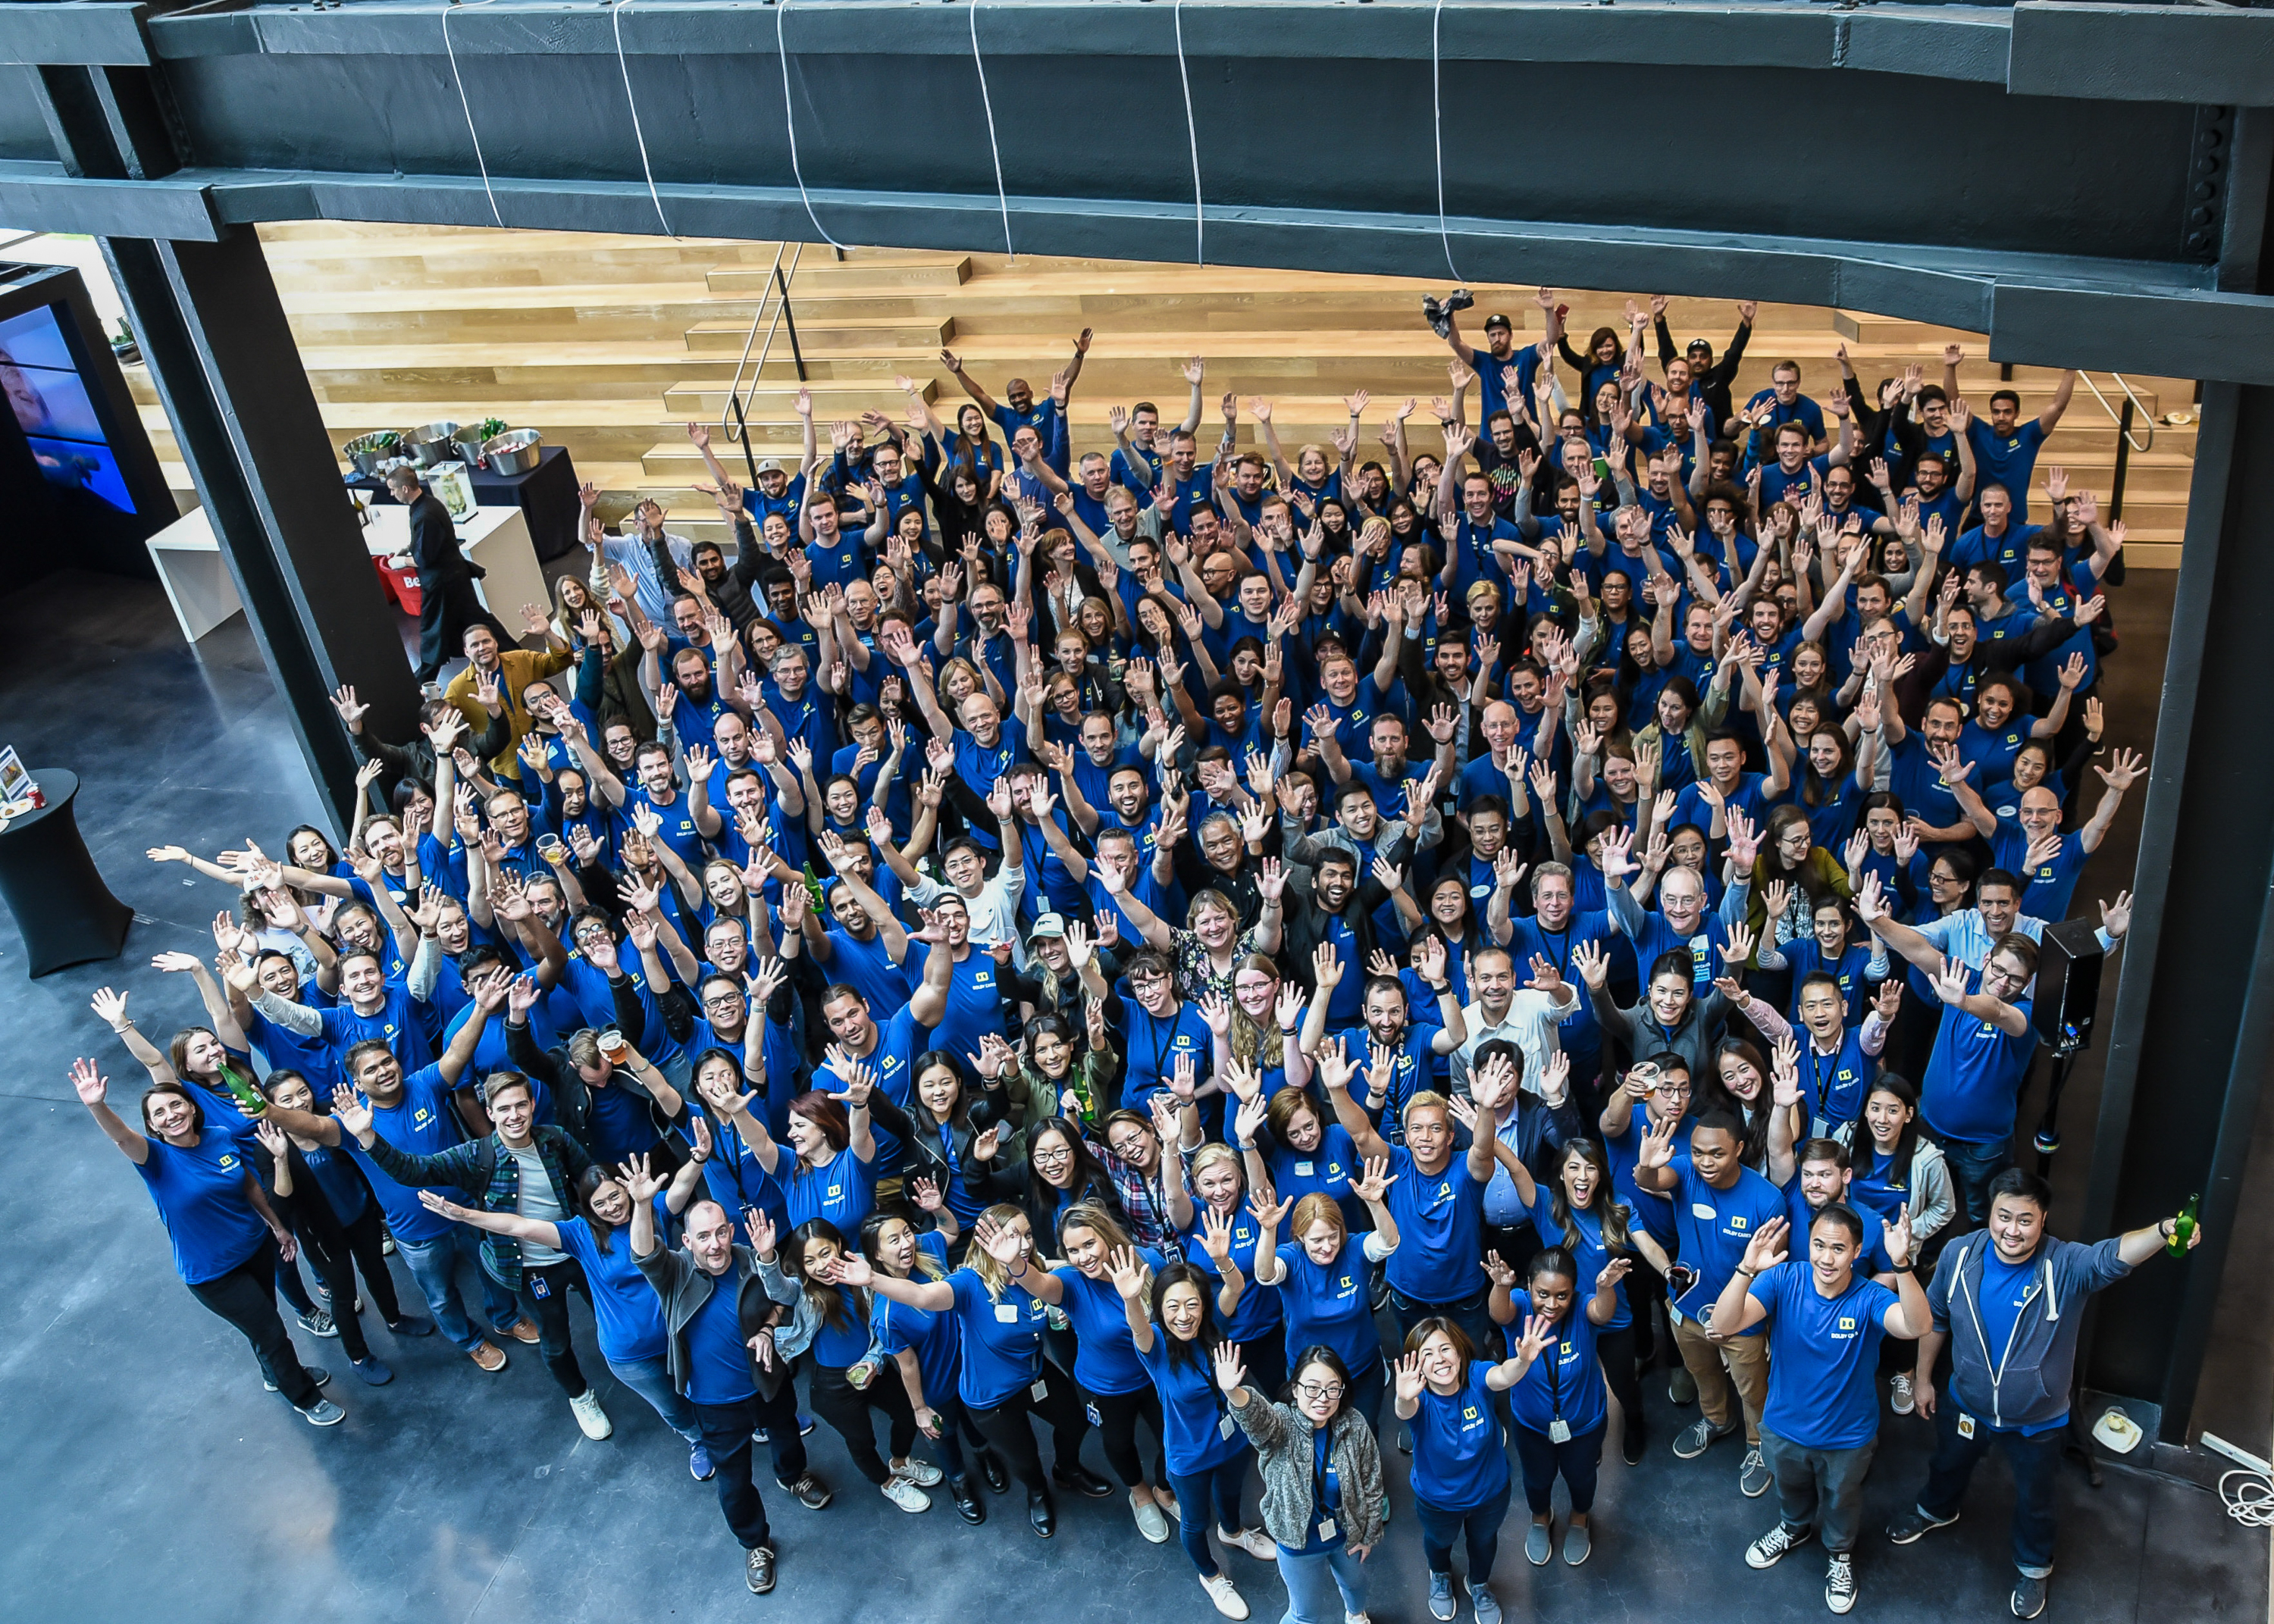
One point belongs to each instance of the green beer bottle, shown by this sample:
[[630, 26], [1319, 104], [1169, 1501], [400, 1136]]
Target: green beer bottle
[[2183, 1228]]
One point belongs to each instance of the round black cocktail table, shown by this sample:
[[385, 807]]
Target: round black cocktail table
[[65, 913]]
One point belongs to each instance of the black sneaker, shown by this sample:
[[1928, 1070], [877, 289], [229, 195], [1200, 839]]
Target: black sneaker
[[1081, 1481], [1915, 1524], [1440, 323], [998, 1476], [758, 1569], [1636, 1440], [810, 1492], [2029, 1598]]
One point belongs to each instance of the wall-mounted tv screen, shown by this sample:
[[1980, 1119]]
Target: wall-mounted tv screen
[[53, 408]]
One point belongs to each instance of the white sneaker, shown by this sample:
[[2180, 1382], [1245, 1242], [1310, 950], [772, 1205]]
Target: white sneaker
[[920, 1472], [906, 1495], [1899, 1394], [589, 1416], [1226, 1598], [1357, 1618], [1151, 1521], [1255, 1541]]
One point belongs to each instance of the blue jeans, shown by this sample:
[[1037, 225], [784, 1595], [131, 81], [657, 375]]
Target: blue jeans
[[1215, 1492], [2033, 1461], [1479, 1525], [1972, 1166], [650, 1378], [1316, 1585], [434, 1265]]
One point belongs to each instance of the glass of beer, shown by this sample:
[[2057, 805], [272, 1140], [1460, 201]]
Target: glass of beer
[[614, 1046]]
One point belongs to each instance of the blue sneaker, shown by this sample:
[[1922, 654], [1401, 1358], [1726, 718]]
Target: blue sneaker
[[698, 1464], [1441, 1596], [373, 1371], [412, 1325]]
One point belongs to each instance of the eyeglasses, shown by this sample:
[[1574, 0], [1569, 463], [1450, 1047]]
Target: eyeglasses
[[1053, 1156], [1319, 1389], [722, 1001], [1669, 1087]]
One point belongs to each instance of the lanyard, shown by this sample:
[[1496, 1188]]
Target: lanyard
[[1555, 1377]]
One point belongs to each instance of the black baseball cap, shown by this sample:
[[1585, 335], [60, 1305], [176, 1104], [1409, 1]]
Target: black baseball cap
[[1499, 321]]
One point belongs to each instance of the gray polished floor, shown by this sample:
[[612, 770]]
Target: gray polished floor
[[144, 1474]]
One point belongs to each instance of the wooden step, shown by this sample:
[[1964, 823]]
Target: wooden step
[[824, 275], [824, 335]]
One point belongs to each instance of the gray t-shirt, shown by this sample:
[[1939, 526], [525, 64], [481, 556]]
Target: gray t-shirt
[[538, 1201]]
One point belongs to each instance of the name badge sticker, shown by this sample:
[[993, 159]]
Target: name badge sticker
[[1006, 1314]]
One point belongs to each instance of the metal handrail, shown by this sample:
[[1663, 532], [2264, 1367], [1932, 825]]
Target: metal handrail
[[2123, 420], [736, 431]]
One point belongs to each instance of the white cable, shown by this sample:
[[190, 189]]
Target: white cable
[[789, 118], [1437, 122], [988, 103], [1191, 136], [615, 16], [2251, 1502], [468, 106]]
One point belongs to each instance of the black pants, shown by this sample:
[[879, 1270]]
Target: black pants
[[849, 1409], [336, 1261], [956, 1429], [1541, 1458], [246, 1297], [1266, 1359], [1516, 1244], [1615, 1350], [726, 1429], [1117, 1415], [1008, 1427], [1646, 1301], [446, 608], [544, 1298]]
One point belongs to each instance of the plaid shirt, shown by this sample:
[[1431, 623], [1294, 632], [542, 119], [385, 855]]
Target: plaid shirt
[[460, 1167], [1144, 1199]]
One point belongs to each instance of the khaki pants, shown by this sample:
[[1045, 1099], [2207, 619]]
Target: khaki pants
[[1743, 1362]]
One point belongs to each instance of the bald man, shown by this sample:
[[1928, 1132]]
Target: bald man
[[2026, 838]]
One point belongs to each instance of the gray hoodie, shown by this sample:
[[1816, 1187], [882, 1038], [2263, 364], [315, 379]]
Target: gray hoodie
[[2025, 1382]]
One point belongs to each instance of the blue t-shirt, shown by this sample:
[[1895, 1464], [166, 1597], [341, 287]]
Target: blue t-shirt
[[1199, 1432], [1325, 1170], [1565, 1380], [1715, 1226], [1152, 1045], [626, 1311], [200, 1193], [1652, 1211], [1002, 1340], [1823, 1356], [1833, 1086], [1458, 1459], [1327, 1499], [1440, 1229], [1328, 1304], [1974, 1076], [844, 1192], [929, 1334], [1105, 1355], [1871, 1258], [2005, 1291], [1589, 1257], [1258, 1313], [718, 1358], [2046, 888]]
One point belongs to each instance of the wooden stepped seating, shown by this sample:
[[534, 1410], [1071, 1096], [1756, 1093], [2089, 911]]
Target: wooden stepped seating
[[609, 343]]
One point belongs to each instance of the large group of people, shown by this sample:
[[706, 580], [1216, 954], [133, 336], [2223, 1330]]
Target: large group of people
[[1191, 944]]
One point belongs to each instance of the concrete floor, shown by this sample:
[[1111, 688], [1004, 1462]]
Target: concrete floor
[[144, 1473]]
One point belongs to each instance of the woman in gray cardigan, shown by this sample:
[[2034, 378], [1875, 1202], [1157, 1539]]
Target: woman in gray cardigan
[[1322, 1496]]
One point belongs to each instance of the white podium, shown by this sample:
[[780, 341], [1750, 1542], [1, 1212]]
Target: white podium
[[198, 582]]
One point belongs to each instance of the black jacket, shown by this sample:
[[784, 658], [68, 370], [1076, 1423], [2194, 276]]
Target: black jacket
[[435, 544]]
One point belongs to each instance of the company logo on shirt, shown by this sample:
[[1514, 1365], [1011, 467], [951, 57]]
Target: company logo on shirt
[[1847, 1322], [420, 1118], [228, 1161], [1737, 1221], [985, 978]]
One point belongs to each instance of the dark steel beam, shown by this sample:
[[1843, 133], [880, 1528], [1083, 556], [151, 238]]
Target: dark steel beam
[[2203, 55]]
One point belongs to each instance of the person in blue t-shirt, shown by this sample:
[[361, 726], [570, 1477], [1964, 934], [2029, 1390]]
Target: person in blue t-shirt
[[1320, 1274], [2005, 448], [2014, 1289], [1558, 1406], [1720, 1204], [1445, 1395], [1822, 1424], [1114, 1379], [2031, 846], [1982, 1050], [227, 1241], [928, 1354], [1174, 1316], [1004, 1384], [627, 1314]]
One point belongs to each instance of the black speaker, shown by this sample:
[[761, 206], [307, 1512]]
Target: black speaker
[[2068, 985]]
